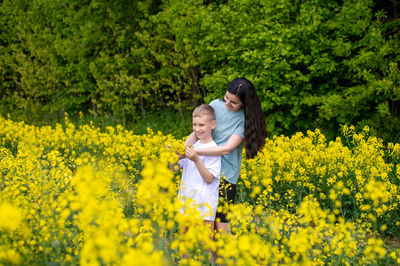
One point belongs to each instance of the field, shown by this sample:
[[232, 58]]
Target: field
[[78, 195]]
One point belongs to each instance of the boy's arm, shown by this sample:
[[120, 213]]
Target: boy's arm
[[204, 172], [174, 166]]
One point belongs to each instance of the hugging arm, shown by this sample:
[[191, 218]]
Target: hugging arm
[[191, 139], [233, 142]]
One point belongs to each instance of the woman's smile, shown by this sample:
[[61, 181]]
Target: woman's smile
[[232, 102]]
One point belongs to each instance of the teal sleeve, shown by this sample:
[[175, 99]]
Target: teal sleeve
[[240, 130]]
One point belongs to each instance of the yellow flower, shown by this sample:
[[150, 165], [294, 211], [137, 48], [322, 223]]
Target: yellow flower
[[10, 216]]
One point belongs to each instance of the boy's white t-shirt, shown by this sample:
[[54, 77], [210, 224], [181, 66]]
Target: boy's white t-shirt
[[194, 187]]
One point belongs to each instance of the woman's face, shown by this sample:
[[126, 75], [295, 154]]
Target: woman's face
[[232, 102]]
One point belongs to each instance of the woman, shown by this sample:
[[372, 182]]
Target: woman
[[240, 122]]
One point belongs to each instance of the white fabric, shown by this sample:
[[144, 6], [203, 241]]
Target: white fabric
[[194, 187]]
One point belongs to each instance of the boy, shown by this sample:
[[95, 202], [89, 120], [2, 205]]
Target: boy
[[201, 174]]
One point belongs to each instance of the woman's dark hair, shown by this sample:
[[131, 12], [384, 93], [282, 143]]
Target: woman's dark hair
[[255, 130]]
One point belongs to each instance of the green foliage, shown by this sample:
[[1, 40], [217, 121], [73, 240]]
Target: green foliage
[[315, 64], [67, 56]]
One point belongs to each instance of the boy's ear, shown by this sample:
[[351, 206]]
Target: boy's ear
[[213, 123]]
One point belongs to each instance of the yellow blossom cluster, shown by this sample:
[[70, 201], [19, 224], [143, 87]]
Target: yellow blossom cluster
[[355, 176], [78, 195]]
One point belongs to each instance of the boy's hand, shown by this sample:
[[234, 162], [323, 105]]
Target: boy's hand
[[180, 156], [192, 155]]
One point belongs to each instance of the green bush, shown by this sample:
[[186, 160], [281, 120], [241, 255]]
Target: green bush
[[315, 64]]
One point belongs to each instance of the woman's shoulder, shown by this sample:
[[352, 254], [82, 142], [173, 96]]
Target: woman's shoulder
[[216, 102]]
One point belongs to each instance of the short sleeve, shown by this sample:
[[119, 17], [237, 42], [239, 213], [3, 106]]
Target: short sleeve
[[239, 130], [213, 102], [213, 164]]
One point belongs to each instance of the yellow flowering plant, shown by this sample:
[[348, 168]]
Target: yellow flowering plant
[[78, 195]]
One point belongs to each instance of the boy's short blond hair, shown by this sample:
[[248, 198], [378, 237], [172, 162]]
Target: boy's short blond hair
[[204, 109]]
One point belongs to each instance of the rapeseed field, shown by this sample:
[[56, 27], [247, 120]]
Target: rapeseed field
[[78, 195]]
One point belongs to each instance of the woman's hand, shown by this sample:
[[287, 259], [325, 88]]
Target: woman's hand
[[191, 139]]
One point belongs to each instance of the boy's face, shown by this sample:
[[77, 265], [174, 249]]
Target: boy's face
[[202, 126]]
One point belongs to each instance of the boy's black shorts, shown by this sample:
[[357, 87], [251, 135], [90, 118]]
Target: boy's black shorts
[[227, 193]]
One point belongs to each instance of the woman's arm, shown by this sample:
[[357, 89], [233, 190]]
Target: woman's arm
[[233, 142], [191, 139]]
